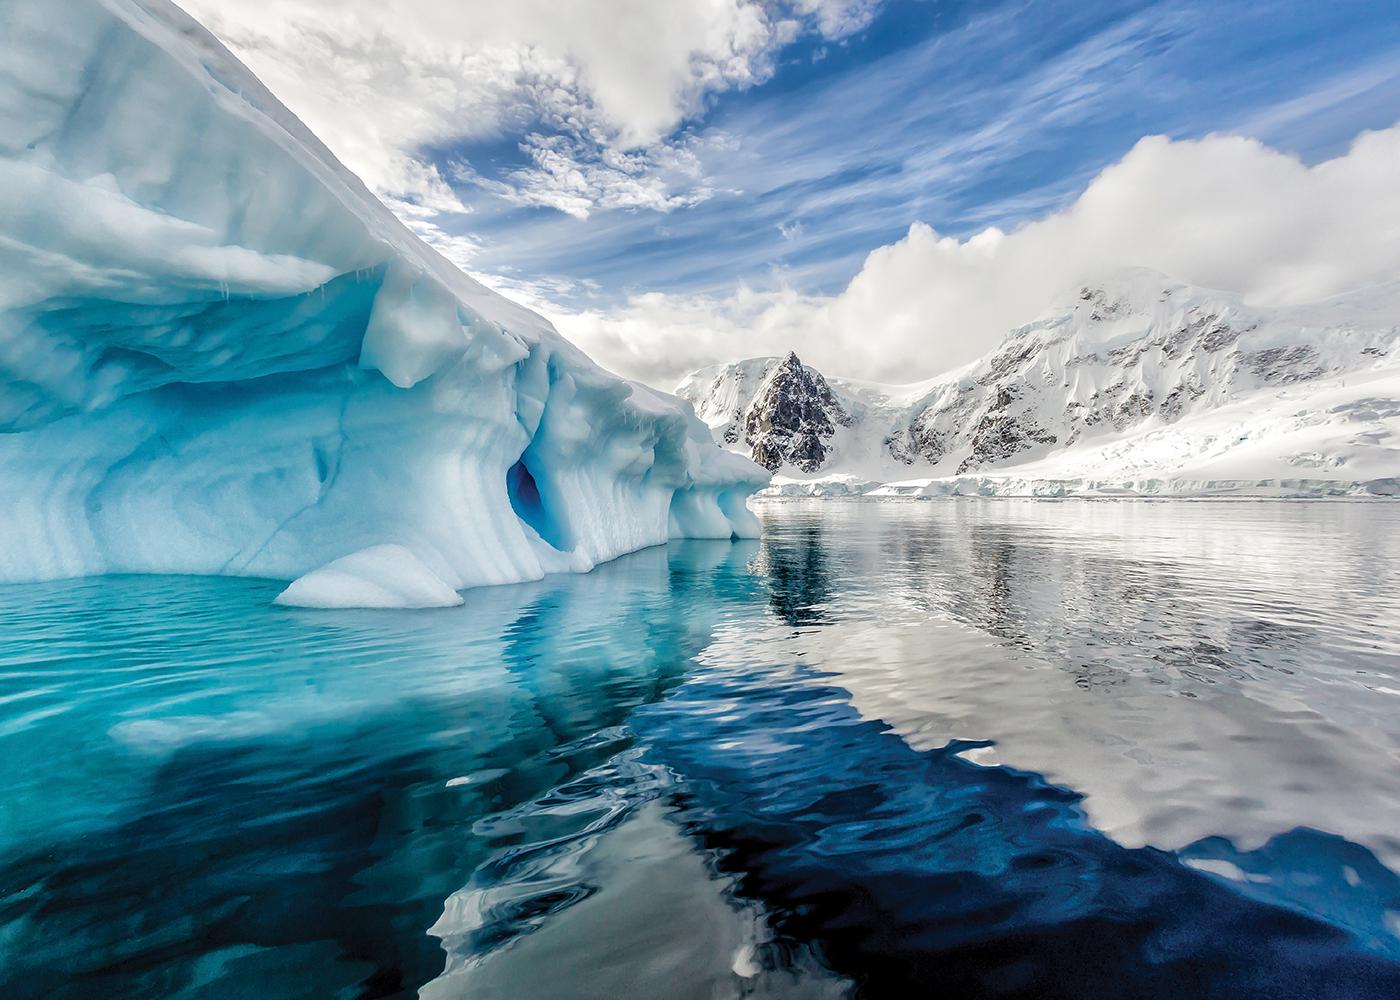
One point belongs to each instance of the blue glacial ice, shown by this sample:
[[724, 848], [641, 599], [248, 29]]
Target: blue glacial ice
[[220, 354]]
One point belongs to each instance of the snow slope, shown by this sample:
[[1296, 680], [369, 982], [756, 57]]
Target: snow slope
[[1134, 386], [219, 353]]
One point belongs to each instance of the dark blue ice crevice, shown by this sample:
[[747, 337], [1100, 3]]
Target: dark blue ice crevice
[[923, 874], [532, 508]]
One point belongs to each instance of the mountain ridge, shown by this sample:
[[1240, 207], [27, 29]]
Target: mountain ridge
[[1133, 384]]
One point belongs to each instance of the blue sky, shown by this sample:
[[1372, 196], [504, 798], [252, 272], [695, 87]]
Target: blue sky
[[959, 115], [886, 186]]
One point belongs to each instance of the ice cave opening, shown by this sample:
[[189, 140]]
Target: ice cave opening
[[530, 506]]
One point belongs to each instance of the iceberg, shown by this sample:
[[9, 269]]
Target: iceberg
[[221, 354]]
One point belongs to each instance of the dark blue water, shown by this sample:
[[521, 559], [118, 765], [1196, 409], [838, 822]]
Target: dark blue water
[[940, 749]]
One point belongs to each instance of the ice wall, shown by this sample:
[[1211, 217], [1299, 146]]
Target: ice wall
[[219, 353]]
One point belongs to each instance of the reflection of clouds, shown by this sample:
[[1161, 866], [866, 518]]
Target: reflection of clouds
[[1156, 768], [1194, 669]]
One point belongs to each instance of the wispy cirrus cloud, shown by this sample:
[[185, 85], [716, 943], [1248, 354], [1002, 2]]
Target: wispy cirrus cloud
[[578, 176], [838, 19], [800, 184]]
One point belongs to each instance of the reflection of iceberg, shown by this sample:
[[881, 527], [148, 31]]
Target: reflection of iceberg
[[220, 354], [314, 787], [594, 882]]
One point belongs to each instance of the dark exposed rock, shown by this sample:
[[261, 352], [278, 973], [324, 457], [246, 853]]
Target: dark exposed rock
[[920, 441], [1101, 307], [999, 435], [1008, 361], [1129, 355], [1176, 400], [1137, 406], [1219, 336], [792, 418], [1285, 365]]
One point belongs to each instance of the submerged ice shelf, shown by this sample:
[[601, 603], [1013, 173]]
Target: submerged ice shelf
[[219, 353]]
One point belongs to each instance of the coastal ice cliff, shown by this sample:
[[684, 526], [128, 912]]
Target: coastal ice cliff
[[1136, 385], [219, 353]]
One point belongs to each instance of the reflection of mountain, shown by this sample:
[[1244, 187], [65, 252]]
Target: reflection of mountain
[[1193, 669], [795, 569]]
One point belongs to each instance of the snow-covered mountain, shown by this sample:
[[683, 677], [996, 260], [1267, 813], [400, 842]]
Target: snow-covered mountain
[[219, 353], [1138, 384], [783, 412]]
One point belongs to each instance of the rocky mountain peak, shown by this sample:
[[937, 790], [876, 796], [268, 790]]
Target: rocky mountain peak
[[792, 417]]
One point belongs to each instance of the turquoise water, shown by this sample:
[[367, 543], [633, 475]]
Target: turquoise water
[[953, 748]]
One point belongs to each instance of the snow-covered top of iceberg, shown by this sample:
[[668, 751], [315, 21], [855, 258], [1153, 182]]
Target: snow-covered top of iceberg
[[176, 172], [219, 352]]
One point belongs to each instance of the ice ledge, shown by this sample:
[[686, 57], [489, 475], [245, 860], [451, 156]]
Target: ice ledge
[[381, 576]]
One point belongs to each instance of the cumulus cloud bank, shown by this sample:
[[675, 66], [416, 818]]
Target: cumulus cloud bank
[[1224, 212]]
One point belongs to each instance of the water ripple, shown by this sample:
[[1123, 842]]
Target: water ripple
[[975, 749]]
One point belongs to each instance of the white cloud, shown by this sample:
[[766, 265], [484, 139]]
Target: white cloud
[[1223, 212], [595, 88], [839, 18], [575, 176]]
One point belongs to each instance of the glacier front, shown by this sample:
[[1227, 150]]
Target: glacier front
[[219, 353]]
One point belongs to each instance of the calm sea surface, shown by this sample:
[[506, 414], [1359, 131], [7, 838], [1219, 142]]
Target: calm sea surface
[[961, 749]]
